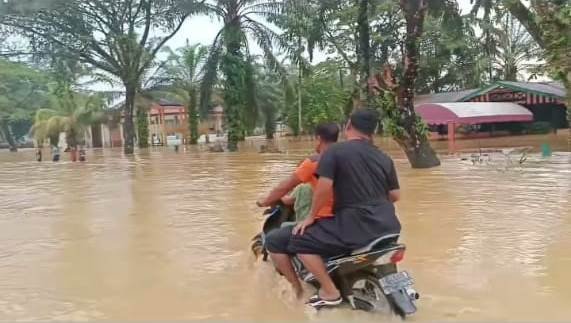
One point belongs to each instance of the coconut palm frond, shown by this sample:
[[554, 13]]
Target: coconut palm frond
[[266, 10], [265, 38], [213, 10]]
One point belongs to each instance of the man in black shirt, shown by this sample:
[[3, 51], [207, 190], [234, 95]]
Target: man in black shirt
[[364, 183]]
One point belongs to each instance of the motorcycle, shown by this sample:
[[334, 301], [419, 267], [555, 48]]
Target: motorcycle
[[368, 278]]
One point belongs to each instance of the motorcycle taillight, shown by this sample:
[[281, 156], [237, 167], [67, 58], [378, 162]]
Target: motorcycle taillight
[[398, 256]]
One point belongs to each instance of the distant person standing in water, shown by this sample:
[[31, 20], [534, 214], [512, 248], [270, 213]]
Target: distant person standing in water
[[55, 153], [82, 157]]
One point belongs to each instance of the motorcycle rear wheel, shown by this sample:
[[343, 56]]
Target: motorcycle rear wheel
[[368, 295]]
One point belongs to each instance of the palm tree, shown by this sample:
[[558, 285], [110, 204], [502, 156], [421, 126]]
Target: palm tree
[[69, 112], [270, 95], [515, 51], [230, 53], [181, 76], [492, 13]]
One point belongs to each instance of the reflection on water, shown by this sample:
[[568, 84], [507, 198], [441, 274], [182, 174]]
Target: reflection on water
[[165, 236]]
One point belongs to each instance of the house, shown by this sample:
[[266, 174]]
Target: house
[[215, 120], [167, 119]]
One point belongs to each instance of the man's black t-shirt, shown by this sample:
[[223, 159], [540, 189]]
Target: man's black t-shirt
[[362, 177]]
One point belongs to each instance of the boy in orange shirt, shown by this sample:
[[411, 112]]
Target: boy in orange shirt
[[327, 134]]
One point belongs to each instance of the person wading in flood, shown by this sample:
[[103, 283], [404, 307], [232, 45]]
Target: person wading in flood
[[327, 134], [364, 184]]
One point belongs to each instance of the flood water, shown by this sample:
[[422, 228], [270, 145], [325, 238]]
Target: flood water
[[165, 235]]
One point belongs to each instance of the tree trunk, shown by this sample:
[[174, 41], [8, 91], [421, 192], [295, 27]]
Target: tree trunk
[[233, 66], [527, 19], [299, 99], [567, 83], [54, 140], [5, 128], [128, 126], [420, 155], [193, 117], [270, 123], [364, 54], [415, 143], [142, 128], [70, 139], [96, 141]]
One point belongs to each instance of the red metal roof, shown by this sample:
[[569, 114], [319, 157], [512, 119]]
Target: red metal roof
[[473, 112]]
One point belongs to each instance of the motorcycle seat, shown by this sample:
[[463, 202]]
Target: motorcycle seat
[[381, 241]]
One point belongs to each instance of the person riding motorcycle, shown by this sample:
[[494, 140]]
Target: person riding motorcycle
[[363, 181], [327, 134]]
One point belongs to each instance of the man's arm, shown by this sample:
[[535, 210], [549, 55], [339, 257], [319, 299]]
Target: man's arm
[[394, 196], [288, 200], [393, 183], [279, 191], [302, 174]]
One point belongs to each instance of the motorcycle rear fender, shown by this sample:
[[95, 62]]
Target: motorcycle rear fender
[[402, 303]]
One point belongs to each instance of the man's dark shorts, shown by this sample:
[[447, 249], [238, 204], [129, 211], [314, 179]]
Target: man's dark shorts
[[318, 239], [338, 235]]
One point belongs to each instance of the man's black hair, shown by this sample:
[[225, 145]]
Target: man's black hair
[[328, 132], [365, 121]]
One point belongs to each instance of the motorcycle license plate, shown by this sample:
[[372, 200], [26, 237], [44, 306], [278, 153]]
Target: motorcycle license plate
[[395, 282]]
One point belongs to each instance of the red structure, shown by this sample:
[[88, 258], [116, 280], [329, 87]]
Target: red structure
[[545, 100], [167, 119], [471, 113]]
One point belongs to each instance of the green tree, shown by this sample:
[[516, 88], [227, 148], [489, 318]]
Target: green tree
[[68, 109], [230, 53], [180, 77], [397, 94], [303, 25], [324, 96], [270, 96], [69, 112], [345, 28], [486, 14], [516, 51], [119, 37], [22, 91], [549, 23], [445, 42]]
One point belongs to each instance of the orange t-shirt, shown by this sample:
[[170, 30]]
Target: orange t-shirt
[[306, 173]]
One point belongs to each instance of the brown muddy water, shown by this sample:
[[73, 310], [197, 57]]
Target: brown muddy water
[[165, 235]]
